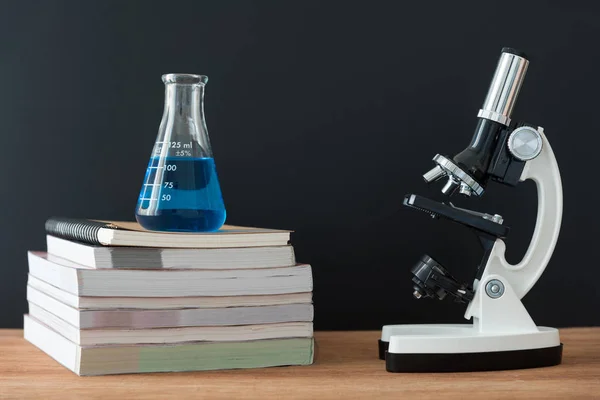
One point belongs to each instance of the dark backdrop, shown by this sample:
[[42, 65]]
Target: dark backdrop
[[322, 115]]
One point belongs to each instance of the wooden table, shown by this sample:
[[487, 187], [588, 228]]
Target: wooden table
[[346, 366]]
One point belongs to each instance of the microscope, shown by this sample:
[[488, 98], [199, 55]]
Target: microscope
[[502, 334]]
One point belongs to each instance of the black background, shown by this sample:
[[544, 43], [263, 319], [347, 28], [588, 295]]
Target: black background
[[322, 116]]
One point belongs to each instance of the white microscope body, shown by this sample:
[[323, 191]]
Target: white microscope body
[[502, 334]]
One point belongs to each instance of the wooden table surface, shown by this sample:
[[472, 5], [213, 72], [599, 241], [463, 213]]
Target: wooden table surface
[[346, 366]]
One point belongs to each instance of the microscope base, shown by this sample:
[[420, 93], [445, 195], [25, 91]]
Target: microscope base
[[462, 348]]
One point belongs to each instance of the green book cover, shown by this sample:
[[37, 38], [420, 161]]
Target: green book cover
[[190, 356]]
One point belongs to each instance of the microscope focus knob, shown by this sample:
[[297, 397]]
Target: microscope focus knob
[[525, 143]]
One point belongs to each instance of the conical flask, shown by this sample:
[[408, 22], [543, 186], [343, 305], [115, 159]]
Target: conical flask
[[181, 191]]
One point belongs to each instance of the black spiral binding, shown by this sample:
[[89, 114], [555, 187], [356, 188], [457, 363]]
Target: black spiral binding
[[81, 230]]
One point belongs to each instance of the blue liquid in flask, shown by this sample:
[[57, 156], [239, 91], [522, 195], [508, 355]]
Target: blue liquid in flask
[[181, 194]]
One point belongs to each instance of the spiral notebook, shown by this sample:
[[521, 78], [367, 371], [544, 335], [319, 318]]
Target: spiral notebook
[[120, 233]]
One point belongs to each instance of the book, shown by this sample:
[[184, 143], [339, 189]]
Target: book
[[236, 333], [186, 356], [94, 256], [120, 233], [167, 318], [81, 281], [99, 303]]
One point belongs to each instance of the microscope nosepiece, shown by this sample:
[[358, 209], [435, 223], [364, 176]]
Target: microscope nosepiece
[[457, 178]]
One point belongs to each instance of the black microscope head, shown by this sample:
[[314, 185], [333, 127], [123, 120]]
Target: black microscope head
[[468, 170]]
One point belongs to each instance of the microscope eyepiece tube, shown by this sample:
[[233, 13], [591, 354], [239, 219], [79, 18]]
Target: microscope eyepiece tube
[[504, 89]]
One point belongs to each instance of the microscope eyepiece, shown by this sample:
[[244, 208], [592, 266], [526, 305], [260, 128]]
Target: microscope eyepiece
[[504, 89]]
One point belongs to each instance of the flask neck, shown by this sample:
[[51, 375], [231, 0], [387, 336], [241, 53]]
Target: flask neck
[[183, 126], [184, 101]]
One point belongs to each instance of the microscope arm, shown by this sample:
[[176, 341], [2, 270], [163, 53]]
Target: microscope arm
[[543, 170]]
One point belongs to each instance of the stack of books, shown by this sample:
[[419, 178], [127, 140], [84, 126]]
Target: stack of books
[[112, 298]]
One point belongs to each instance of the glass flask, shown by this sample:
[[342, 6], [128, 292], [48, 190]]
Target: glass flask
[[181, 191]]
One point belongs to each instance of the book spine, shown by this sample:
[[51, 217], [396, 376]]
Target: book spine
[[81, 230]]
